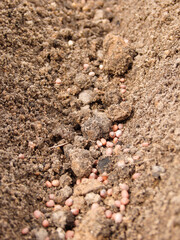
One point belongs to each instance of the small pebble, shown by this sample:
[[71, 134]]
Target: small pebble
[[109, 192], [58, 81], [125, 194], [92, 74], [25, 231], [31, 145], [112, 134], [48, 184], [103, 141], [70, 43], [118, 218], [124, 201], [37, 214], [135, 176], [109, 144], [52, 196], [99, 143], [122, 208], [123, 91], [145, 144], [94, 206], [69, 234], [103, 193], [75, 211], [50, 203], [21, 156], [92, 176], [55, 183], [101, 66], [115, 128], [118, 133], [108, 213], [124, 186], [69, 202], [85, 66], [45, 223], [109, 151], [117, 203]]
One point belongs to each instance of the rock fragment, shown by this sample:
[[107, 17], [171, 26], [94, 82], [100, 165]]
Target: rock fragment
[[87, 186], [86, 96], [62, 218], [118, 56], [64, 194], [91, 198], [119, 112], [40, 234]]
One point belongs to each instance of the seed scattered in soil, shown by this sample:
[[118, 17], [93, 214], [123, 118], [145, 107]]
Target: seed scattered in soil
[[92, 176], [109, 192], [101, 66], [115, 128], [135, 176], [103, 141], [120, 126], [125, 194], [55, 183], [92, 74], [112, 134], [25, 231], [69, 234], [50, 203], [109, 144], [99, 143], [108, 214], [52, 196], [123, 91], [94, 170], [115, 140], [78, 181], [21, 156], [123, 86], [85, 66], [48, 184], [145, 144], [124, 186], [118, 133], [104, 176], [94, 206], [118, 218], [117, 203], [109, 151], [75, 211], [70, 43], [69, 202], [37, 214], [124, 201], [58, 81], [45, 223], [122, 208], [103, 193]]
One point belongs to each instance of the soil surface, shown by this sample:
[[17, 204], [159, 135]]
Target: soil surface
[[54, 109]]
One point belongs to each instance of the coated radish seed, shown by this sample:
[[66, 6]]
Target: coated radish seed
[[103, 141], [58, 81], [85, 66], [109, 151], [124, 201], [92, 74], [101, 66], [55, 183], [103, 193], [94, 206], [94, 170], [100, 179], [57, 207], [122, 208], [109, 144], [125, 194], [104, 176], [123, 91], [75, 211], [45, 223], [112, 134], [109, 192], [123, 86], [118, 133], [117, 203], [92, 176], [105, 182], [50, 203], [69, 202], [122, 80], [52, 196], [99, 143], [25, 231], [115, 128], [48, 184], [135, 176], [70, 43], [115, 140], [124, 186], [118, 218], [21, 156], [108, 213], [120, 126], [145, 144], [37, 214], [69, 234]]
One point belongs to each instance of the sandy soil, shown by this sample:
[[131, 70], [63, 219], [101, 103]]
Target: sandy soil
[[37, 114]]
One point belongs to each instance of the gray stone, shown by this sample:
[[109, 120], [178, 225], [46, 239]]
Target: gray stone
[[86, 96], [87, 186], [62, 218], [63, 194], [40, 234]]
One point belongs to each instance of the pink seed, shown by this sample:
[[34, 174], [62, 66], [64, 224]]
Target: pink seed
[[21, 156], [108, 213], [103, 193], [117, 203], [99, 143], [94, 170], [58, 81], [75, 211], [145, 144], [118, 133], [45, 223], [115, 140], [52, 196], [103, 141], [37, 214], [122, 208], [78, 181], [109, 192], [69, 202], [123, 86], [92, 74], [100, 179], [124, 186], [112, 134], [55, 183], [92, 176], [69, 234], [48, 184], [122, 80], [109, 144], [123, 91], [94, 206], [118, 218], [124, 201], [135, 176], [85, 66], [109, 151], [105, 182], [50, 203], [125, 194], [115, 128], [31, 145], [120, 126], [25, 231], [136, 157]]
